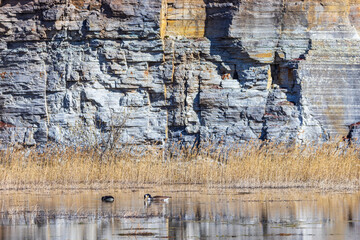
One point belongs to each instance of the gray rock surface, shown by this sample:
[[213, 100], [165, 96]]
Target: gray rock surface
[[178, 70]]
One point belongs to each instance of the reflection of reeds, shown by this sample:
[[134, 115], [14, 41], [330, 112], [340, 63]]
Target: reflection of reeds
[[40, 216], [329, 165]]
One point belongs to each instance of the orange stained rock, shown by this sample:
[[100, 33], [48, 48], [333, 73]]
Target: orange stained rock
[[183, 18], [264, 57], [78, 3], [325, 14]]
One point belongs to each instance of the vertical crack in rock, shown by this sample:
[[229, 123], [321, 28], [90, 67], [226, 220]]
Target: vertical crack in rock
[[44, 75], [270, 78], [173, 61]]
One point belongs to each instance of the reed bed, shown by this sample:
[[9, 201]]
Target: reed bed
[[254, 165]]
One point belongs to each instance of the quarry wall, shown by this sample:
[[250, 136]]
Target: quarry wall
[[179, 70]]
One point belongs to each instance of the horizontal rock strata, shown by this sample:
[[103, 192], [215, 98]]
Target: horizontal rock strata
[[158, 71]]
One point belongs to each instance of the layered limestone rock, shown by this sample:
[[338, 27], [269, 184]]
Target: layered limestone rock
[[179, 70]]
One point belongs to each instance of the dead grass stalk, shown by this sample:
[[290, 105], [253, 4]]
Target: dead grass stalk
[[329, 165]]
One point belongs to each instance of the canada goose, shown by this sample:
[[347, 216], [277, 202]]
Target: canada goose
[[149, 198], [107, 198]]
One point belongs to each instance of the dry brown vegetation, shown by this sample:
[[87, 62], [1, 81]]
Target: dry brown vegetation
[[330, 165]]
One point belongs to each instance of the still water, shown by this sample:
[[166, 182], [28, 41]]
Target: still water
[[190, 214]]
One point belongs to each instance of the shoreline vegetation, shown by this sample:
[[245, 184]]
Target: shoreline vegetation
[[327, 166]]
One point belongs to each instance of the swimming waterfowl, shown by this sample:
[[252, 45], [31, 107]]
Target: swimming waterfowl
[[107, 198], [149, 198]]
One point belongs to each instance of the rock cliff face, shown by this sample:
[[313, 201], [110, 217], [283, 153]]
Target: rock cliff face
[[179, 70]]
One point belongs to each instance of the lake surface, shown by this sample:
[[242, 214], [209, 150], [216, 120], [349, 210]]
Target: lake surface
[[190, 214]]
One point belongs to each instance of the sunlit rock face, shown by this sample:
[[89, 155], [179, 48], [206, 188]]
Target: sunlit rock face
[[179, 70]]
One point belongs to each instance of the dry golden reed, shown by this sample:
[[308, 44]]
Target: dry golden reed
[[329, 165]]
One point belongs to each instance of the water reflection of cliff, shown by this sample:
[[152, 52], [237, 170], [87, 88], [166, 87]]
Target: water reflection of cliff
[[301, 215]]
